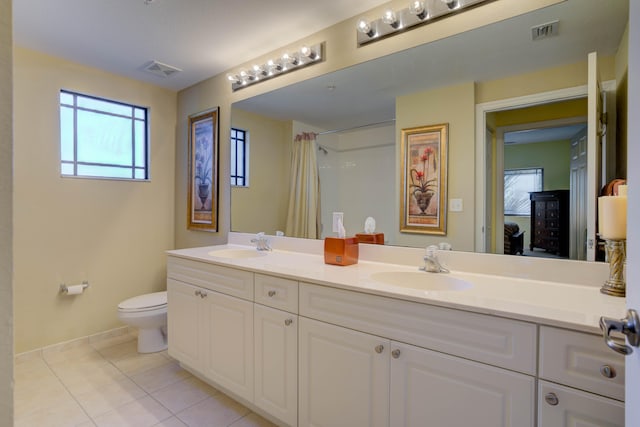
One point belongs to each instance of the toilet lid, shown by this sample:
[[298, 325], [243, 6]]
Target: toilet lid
[[145, 301]]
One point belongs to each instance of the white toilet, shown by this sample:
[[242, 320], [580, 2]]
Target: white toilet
[[148, 313]]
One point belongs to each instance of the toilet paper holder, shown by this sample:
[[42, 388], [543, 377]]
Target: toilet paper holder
[[64, 289]]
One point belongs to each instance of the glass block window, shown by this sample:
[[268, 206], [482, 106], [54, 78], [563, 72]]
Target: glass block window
[[100, 138], [517, 185]]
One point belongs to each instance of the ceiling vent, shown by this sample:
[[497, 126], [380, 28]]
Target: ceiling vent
[[160, 69], [543, 31]]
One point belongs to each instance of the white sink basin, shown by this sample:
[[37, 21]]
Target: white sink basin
[[237, 253], [421, 280]]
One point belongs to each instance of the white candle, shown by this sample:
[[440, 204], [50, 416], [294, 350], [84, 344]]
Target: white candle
[[622, 190], [612, 220]]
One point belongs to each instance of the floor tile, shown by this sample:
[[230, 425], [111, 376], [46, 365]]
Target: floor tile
[[134, 364], [253, 420], [119, 350], [171, 422], [159, 377], [216, 411], [109, 396], [145, 412], [64, 414], [104, 341], [181, 395]]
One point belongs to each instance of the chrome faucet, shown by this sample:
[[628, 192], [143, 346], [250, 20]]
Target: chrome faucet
[[262, 243], [431, 263]]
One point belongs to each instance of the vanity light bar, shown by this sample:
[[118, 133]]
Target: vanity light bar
[[289, 61], [418, 13]]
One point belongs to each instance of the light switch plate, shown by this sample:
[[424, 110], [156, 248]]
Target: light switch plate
[[455, 205], [337, 217]]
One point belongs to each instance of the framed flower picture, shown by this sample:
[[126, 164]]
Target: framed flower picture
[[202, 194], [423, 207]]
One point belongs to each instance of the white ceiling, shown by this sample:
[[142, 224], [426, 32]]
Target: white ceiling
[[202, 37], [366, 93]]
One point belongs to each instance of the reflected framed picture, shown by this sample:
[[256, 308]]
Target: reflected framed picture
[[202, 194], [423, 207]]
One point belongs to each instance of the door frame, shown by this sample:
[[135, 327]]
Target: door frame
[[482, 110]]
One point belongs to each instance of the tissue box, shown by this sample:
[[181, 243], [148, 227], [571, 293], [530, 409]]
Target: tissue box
[[374, 238], [341, 251]]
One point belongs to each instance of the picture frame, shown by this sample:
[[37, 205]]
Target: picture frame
[[202, 192], [423, 207]]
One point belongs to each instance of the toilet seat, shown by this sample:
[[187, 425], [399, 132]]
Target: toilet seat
[[147, 302]]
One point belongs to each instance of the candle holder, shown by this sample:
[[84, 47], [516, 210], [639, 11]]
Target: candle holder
[[616, 254]]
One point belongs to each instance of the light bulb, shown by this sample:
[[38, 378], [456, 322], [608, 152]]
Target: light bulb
[[273, 66], [365, 28], [450, 3], [232, 78], [308, 52], [417, 8], [389, 17]]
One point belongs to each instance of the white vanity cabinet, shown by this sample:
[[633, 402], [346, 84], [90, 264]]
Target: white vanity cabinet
[[366, 376], [276, 347], [344, 377], [435, 389], [209, 331], [313, 355], [581, 380]]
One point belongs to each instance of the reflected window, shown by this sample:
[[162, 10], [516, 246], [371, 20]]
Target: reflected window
[[239, 158], [100, 138], [518, 183]]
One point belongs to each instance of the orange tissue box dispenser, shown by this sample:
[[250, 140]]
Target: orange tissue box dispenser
[[341, 250]]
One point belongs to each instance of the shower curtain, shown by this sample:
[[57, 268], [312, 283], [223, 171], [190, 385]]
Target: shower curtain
[[303, 216]]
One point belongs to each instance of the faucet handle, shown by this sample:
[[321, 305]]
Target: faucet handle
[[431, 250]]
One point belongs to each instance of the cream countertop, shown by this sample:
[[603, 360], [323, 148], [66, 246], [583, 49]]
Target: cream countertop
[[570, 304]]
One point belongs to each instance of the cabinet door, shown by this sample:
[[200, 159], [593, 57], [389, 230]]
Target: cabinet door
[[183, 320], [344, 377], [276, 363], [437, 390], [560, 406], [228, 326]]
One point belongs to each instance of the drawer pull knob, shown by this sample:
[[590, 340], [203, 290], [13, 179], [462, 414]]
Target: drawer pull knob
[[203, 294], [551, 399], [608, 371], [379, 348], [271, 293], [395, 353], [288, 322], [198, 293]]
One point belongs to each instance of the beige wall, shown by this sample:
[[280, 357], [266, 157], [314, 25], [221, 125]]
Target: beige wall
[[216, 91], [6, 204], [263, 205], [453, 105], [112, 233]]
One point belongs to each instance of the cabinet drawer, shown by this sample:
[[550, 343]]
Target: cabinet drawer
[[276, 292], [226, 280], [582, 361], [560, 406], [501, 342]]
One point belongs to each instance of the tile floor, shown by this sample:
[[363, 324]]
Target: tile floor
[[105, 382]]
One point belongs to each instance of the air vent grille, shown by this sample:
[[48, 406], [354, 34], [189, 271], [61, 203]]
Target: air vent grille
[[543, 31], [160, 69]]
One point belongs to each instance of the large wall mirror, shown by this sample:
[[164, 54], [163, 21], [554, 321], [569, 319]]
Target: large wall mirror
[[358, 115]]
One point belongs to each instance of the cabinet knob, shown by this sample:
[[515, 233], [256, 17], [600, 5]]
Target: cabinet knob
[[551, 399], [203, 294], [271, 293], [395, 353], [608, 371], [379, 348], [198, 293], [288, 322]]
